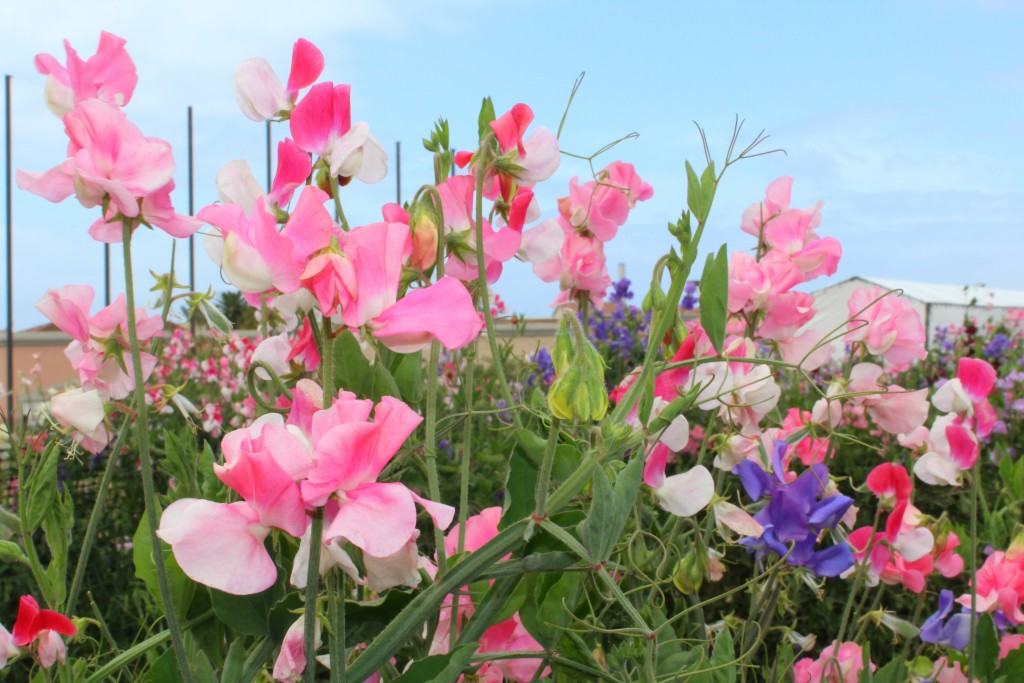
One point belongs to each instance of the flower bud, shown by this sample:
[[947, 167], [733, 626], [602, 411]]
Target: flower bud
[[424, 237], [689, 574], [578, 392]]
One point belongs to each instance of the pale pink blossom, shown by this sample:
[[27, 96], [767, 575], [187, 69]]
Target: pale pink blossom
[[291, 659], [258, 90], [111, 163], [108, 76], [83, 412], [887, 325], [846, 667], [1000, 586]]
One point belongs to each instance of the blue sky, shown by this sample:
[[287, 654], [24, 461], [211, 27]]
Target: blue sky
[[906, 119]]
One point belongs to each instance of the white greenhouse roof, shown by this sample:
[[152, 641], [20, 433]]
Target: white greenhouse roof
[[957, 295]]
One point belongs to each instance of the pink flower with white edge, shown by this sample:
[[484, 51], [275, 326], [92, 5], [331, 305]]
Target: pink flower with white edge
[[83, 412], [887, 325], [108, 76], [849, 662], [7, 647], [291, 659], [500, 244], [237, 185], [601, 206], [96, 349], [1000, 586], [258, 90], [967, 394], [221, 545], [253, 254], [890, 482], [684, 494], [894, 409], [349, 452], [111, 163]]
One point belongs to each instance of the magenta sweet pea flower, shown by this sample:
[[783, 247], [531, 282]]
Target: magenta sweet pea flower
[[41, 629]]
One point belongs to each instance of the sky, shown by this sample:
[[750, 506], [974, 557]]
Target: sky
[[905, 119]]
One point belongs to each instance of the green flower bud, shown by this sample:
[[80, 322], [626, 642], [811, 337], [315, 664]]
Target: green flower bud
[[578, 392], [689, 574]]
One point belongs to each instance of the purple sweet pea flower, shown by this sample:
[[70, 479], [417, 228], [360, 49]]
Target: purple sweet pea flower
[[795, 515], [953, 631]]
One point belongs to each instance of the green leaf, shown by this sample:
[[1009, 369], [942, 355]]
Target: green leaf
[[543, 612], [721, 668], [214, 317], [986, 648], [1013, 666], [609, 509], [486, 116], [364, 620], [352, 370], [57, 525], [439, 668], [41, 488], [694, 196], [182, 589], [520, 486], [893, 672], [383, 383], [245, 614], [234, 662], [408, 374], [11, 552], [714, 297]]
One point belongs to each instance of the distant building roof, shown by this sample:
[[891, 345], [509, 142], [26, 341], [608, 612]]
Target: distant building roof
[[957, 295]]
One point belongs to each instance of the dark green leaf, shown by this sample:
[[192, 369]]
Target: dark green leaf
[[41, 488], [893, 672], [233, 662], [986, 648], [520, 487], [408, 374], [364, 620], [145, 569], [352, 370], [245, 614], [609, 509], [486, 116], [1013, 666], [439, 668], [11, 552], [714, 297], [544, 611]]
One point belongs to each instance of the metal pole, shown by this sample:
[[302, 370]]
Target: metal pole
[[10, 255], [269, 155], [398, 172], [191, 212]]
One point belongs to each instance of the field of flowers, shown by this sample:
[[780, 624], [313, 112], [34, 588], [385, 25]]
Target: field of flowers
[[692, 485]]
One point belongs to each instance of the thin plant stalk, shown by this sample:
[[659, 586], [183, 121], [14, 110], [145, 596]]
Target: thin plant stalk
[[544, 478], [148, 487], [972, 643], [430, 419], [485, 300], [94, 519], [316, 529]]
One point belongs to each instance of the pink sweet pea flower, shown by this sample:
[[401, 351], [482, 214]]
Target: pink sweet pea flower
[[1010, 642], [42, 628], [7, 647], [601, 206], [442, 311], [894, 409], [848, 656], [890, 482], [94, 351], [293, 168], [258, 90], [1000, 586], [221, 545], [83, 412], [253, 254], [776, 200], [457, 193], [538, 154], [684, 494], [108, 76], [580, 268], [109, 160], [291, 660], [349, 453], [949, 562], [887, 325]]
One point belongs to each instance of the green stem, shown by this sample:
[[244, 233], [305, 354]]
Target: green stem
[[430, 420], [544, 478], [467, 446], [336, 607], [403, 628], [117, 663], [972, 649], [146, 460], [94, 520], [339, 213], [485, 300], [316, 532]]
